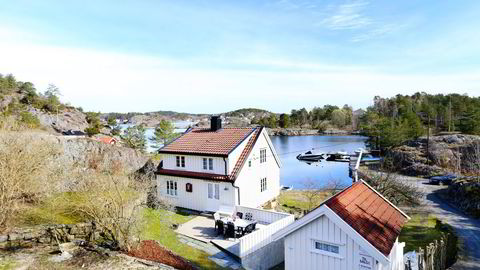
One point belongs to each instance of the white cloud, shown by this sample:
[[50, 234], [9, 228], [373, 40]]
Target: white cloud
[[348, 16], [108, 81]]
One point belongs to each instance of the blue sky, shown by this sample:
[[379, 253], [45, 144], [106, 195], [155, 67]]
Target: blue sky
[[215, 56]]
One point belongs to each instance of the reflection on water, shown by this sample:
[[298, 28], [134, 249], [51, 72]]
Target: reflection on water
[[296, 173]]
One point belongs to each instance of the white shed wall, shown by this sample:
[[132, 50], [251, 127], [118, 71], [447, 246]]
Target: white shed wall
[[300, 252], [249, 178], [198, 198]]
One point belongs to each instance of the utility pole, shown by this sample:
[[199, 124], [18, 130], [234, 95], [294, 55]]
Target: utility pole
[[428, 139], [450, 115]]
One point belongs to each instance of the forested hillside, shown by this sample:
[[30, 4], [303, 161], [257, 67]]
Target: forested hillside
[[24, 107], [392, 121]]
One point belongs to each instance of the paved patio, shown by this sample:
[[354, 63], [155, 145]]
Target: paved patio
[[202, 228]]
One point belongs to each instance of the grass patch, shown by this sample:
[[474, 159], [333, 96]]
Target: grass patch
[[295, 201], [420, 231], [157, 227], [7, 264], [52, 210]]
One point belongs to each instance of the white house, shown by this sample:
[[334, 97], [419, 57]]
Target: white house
[[207, 168], [357, 229]]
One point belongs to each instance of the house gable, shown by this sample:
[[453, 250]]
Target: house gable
[[345, 227]]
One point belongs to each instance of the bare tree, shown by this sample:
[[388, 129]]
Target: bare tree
[[394, 189], [312, 192], [27, 171], [110, 197]]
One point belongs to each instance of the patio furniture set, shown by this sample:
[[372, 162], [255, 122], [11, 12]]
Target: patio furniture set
[[235, 225]]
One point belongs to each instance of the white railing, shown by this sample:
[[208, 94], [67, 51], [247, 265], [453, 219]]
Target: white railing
[[262, 216], [355, 172], [260, 238]]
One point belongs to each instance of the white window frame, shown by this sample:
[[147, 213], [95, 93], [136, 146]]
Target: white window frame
[[341, 248], [213, 191], [263, 184], [263, 155], [210, 164], [180, 161], [172, 188]]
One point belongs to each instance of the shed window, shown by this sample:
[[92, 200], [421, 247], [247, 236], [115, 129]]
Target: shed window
[[327, 247]]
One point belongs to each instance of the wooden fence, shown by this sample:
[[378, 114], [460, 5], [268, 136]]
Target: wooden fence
[[438, 255]]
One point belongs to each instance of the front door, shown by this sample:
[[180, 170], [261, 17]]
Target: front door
[[213, 196]]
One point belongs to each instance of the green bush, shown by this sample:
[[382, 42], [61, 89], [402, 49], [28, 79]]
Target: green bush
[[29, 120]]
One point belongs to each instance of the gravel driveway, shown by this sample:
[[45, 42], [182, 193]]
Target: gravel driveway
[[467, 228]]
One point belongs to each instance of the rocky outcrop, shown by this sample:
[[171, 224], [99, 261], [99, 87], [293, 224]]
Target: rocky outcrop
[[69, 119], [82, 151], [456, 153], [50, 234], [465, 195]]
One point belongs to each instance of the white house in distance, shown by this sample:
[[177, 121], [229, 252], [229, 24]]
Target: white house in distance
[[357, 229], [205, 169]]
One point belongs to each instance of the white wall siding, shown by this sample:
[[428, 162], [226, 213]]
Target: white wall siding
[[299, 247], [198, 198], [249, 178], [194, 163], [301, 254]]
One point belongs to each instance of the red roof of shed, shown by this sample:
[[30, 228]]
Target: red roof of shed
[[208, 142], [370, 214]]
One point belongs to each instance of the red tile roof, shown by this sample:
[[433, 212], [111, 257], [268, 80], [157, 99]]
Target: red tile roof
[[219, 177], [207, 142], [107, 140], [371, 215]]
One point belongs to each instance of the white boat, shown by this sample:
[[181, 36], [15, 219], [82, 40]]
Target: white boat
[[338, 156], [311, 155], [286, 188]]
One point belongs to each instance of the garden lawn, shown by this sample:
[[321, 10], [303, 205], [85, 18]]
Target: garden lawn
[[419, 232], [157, 227], [294, 201]]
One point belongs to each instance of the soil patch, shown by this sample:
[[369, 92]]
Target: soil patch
[[151, 250]]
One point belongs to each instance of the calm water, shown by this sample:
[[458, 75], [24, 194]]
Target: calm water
[[295, 173]]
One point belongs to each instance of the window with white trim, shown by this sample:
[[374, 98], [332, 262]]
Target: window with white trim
[[213, 191], [172, 188], [204, 163], [263, 155], [210, 164], [180, 161], [326, 247], [263, 184]]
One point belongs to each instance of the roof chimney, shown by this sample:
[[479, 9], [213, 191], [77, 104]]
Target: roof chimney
[[215, 123]]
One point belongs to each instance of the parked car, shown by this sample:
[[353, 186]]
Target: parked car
[[442, 179]]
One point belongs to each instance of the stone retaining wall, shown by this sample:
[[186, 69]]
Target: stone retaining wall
[[50, 234]]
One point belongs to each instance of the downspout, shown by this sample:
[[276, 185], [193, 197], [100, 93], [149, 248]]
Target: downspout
[[233, 183]]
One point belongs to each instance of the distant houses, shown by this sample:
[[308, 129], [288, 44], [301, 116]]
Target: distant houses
[[207, 168]]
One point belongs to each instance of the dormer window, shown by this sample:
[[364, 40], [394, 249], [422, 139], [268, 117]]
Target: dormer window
[[208, 164], [180, 161]]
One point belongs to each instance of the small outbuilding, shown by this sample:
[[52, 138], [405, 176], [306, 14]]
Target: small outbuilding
[[357, 229]]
